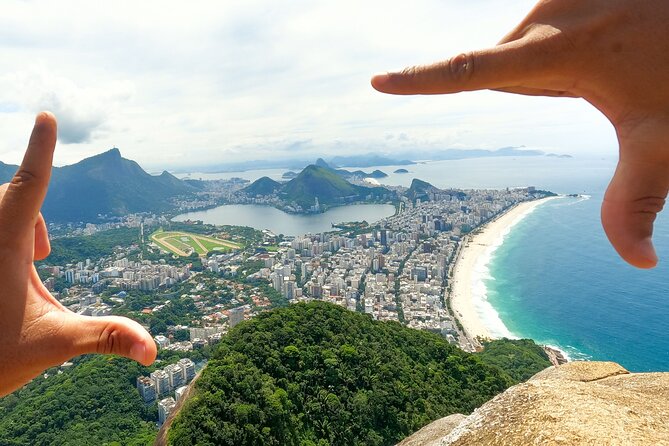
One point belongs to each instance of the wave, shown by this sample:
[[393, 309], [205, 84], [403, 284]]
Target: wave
[[482, 277], [481, 273]]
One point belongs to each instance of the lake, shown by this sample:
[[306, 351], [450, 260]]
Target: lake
[[279, 222]]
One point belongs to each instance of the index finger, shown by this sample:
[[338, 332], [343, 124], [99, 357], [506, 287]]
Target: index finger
[[511, 64]]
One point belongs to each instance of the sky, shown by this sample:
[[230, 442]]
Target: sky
[[180, 84]]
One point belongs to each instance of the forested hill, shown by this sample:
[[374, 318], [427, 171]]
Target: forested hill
[[105, 184], [317, 374]]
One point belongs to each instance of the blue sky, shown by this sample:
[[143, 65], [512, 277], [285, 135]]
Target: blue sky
[[188, 83]]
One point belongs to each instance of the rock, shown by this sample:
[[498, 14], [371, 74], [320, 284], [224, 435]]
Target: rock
[[578, 403], [431, 434]]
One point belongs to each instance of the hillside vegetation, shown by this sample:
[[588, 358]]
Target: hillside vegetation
[[105, 184], [317, 374], [94, 403]]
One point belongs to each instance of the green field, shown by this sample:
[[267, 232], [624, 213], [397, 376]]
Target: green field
[[185, 243]]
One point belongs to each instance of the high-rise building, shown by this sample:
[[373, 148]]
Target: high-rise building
[[176, 375], [146, 388], [162, 341], [165, 407], [70, 276], [161, 380], [179, 393], [188, 369]]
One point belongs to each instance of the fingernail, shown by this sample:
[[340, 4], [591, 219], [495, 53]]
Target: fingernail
[[378, 80], [647, 250], [138, 352]]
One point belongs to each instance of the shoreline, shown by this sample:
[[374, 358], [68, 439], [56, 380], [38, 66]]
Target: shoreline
[[467, 295]]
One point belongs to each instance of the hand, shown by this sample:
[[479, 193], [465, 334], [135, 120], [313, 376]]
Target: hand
[[612, 53], [36, 331]]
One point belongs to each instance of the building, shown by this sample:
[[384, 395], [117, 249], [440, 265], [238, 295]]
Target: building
[[176, 375], [161, 380], [179, 393], [236, 316], [147, 388], [188, 369], [165, 407], [162, 341]]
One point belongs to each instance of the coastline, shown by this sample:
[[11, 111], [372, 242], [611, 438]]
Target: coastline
[[468, 294]]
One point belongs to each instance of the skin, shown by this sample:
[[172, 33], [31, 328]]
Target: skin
[[613, 54], [37, 332]]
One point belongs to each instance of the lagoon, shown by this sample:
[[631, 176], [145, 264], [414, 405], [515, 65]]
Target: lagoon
[[279, 222]]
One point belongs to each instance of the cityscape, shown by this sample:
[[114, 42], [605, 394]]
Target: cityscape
[[397, 269]]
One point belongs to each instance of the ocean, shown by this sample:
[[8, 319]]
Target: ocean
[[555, 278]]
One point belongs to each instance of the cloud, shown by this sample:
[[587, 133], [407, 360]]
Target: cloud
[[172, 83], [81, 111]]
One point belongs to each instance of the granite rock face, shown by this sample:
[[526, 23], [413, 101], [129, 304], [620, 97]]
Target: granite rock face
[[579, 403]]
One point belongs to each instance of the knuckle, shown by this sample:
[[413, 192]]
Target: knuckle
[[23, 176], [461, 67], [108, 340], [649, 205]]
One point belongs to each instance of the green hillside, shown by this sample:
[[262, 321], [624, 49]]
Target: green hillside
[[108, 184], [93, 403], [262, 186], [105, 184], [326, 184], [419, 190], [315, 181], [317, 374]]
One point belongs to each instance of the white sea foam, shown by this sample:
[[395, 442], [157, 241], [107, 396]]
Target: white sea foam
[[481, 273]]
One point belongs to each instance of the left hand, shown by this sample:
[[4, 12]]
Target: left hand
[[36, 331]]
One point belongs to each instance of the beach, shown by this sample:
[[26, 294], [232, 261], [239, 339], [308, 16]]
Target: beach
[[468, 294]]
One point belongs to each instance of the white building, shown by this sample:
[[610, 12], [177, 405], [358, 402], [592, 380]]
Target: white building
[[165, 407], [161, 381]]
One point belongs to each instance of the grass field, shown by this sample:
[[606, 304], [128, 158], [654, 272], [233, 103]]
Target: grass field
[[185, 243]]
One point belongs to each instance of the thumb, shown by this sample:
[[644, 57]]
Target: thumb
[[632, 201], [110, 335], [23, 198]]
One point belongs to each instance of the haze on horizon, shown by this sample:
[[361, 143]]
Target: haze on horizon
[[175, 85]]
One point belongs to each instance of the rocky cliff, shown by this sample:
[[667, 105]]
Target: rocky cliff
[[579, 403]]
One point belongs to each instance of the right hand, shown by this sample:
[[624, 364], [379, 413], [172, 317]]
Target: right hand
[[612, 53]]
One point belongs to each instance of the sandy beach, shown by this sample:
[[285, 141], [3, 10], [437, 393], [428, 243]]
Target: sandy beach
[[468, 306]]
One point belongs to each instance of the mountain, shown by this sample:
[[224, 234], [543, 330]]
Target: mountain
[[318, 374], [105, 184], [325, 184], [368, 160], [262, 186], [419, 190], [315, 181], [320, 162]]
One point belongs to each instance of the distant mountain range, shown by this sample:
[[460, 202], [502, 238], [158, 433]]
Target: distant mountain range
[[105, 184], [401, 158], [349, 174]]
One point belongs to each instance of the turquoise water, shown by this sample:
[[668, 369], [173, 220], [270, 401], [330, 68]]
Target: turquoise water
[[558, 281]]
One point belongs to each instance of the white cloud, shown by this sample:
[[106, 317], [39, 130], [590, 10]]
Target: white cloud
[[174, 83]]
